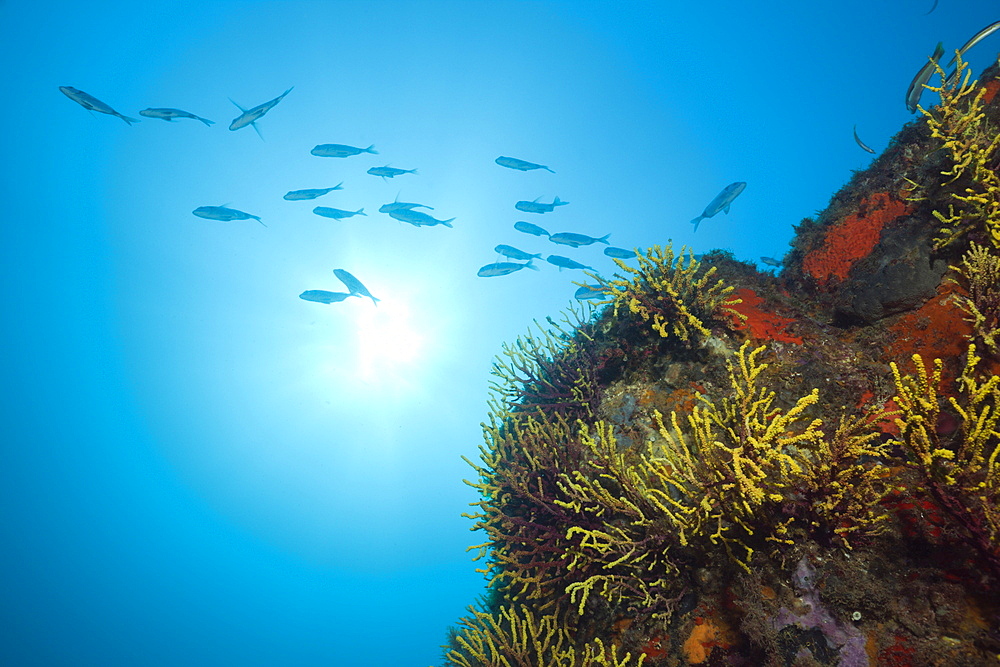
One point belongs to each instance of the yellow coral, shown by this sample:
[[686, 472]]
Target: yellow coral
[[670, 292], [979, 275], [961, 472], [516, 637], [972, 144]]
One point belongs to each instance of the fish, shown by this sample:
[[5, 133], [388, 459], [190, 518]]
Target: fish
[[771, 261], [354, 285], [520, 165], [251, 116], [590, 292], [566, 263], [91, 103], [170, 114], [224, 214], [620, 253], [978, 37], [536, 207], [336, 213], [340, 150], [503, 269], [529, 228], [389, 172], [859, 142], [916, 88], [514, 253], [401, 206], [312, 193], [721, 202], [577, 240], [418, 218], [322, 296]]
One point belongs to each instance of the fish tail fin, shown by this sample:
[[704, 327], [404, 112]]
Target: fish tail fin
[[604, 239], [549, 170], [697, 221], [531, 266], [361, 211], [374, 300], [207, 122], [413, 171], [559, 202], [538, 256], [371, 149], [337, 186], [129, 120], [447, 223], [258, 220]]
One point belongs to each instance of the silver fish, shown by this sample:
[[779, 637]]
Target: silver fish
[[529, 228], [322, 296], [224, 214], [916, 88], [340, 150], [170, 114], [566, 263], [514, 253], [503, 269], [721, 202], [537, 207], [418, 218], [620, 253], [401, 206], [589, 292], [91, 103], [577, 240], [336, 213], [859, 142], [389, 172], [354, 285], [979, 36], [520, 165], [771, 261], [251, 116], [312, 193]]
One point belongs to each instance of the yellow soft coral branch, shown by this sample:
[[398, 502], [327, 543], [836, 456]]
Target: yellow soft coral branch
[[959, 122], [669, 291]]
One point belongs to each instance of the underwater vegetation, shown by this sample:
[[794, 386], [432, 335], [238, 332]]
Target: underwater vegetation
[[725, 467]]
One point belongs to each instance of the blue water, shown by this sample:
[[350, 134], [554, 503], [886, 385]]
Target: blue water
[[200, 468]]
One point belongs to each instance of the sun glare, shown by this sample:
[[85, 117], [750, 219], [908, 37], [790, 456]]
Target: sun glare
[[388, 344]]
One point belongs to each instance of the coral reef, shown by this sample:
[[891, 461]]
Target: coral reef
[[671, 291], [801, 471]]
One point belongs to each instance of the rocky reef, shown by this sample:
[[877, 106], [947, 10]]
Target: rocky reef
[[719, 466]]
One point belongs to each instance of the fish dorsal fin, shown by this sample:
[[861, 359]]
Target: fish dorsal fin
[[237, 105], [535, 200]]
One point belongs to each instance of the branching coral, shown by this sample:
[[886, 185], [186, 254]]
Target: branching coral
[[745, 470], [979, 274], [548, 370], [972, 144], [671, 292], [962, 472], [514, 637]]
